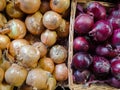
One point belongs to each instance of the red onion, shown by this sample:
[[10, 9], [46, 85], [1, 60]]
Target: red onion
[[101, 31], [83, 23]]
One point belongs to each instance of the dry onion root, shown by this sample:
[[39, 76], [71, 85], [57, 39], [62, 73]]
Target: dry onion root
[[1, 75], [15, 75], [3, 20]]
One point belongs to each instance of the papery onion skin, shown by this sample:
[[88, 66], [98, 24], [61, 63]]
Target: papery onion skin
[[61, 72], [41, 47], [1, 75], [28, 6], [3, 20], [15, 45], [58, 53], [49, 37], [2, 4], [17, 29], [15, 75], [28, 56], [59, 6], [4, 41], [37, 78], [52, 20], [34, 23]]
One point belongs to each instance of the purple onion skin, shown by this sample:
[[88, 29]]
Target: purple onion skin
[[83, 23], [101, 31], [80, 44], [97, 9], [100, 66], [116, 38], [81, 77], [81, 61]]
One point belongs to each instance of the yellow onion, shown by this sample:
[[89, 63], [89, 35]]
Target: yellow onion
[[1, 75], [34, 23], [4, 41], [3, 20], [49, 37], [15, 45], [2, 4], [28, 56], [15, 75], [37, 78], [46, 64], [4, 86], [0, 54], [52, 20], [41, 47]]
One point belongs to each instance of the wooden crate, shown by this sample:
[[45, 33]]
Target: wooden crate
[[73, 86]]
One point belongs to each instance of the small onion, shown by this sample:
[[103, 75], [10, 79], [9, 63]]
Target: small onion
[[41, 47], [1, 74], [34, 23], [15, 45], [46, 64], [16, 75], [51, 83], [61, 72], [4, 86], [48, 37], [59, 6], [3, 20], [58, 53], [4, 41], [2, 4], [28, 6], [28, 56], [52, 20]]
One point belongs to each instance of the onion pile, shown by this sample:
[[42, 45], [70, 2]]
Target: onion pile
[[33, 44], [96, 45]]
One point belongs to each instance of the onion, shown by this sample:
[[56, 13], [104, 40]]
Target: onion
[[48, 37], [28, 56], [2, 4], [97, 9], [13, 12], [59, 6], [1, 75], [83, 23], [0, 54], [28, 6], [3, 20], [4, 86], [63, 29], [61, 72], [52, 20], [34, 23], [15, 75], [81, 61], [46, 64], [4, 41], [41, 47], [45, 6], [37, 78], [15, 45], [58, 53], [101, 31], [80, 44]]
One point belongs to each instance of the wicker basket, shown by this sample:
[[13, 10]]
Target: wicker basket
[[73, 86]]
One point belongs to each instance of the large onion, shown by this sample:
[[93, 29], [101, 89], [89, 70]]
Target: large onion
[[15, 45], [3, 20], [16, 75], [28, 56], [1, 74], [2, 4]]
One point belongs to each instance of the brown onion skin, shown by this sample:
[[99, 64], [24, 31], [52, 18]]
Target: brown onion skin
[[58, 53], [15, 75], [63, 29], [26, 87], [52, 20], [41, 47], [15, 45], [4, 41], [49, 37], [61, 72], [13, 12], [59, 6], [3, 20], [37, 78], [28, 56], [2, 4], [17, 28], [46, 64], [34, 23], [28, 6], [1, 75]]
